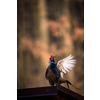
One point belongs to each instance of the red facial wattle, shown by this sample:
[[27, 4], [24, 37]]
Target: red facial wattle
[[51, 57]]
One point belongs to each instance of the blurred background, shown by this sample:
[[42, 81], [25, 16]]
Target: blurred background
[[45, 27]]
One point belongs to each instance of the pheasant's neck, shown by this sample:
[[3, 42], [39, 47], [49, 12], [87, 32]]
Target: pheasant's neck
[[51, 61]]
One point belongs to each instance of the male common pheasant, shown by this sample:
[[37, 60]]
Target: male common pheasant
[[54, 72]]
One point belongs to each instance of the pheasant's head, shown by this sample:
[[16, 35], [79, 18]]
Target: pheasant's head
[[51, 57]]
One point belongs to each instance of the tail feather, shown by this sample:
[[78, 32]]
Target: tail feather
[[71, 84], [61, 80]]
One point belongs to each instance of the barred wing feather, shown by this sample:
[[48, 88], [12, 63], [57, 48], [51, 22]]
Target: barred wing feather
[[66, 64]]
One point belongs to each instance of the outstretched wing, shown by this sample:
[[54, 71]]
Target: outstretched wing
[[66, 64]]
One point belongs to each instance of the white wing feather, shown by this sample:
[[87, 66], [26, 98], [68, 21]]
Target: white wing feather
[[66, 64]]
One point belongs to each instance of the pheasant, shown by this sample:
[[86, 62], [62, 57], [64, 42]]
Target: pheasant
[[54, 72]]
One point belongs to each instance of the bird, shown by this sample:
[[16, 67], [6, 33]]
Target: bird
[[54, 72]]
